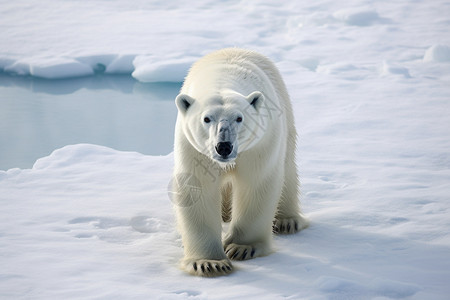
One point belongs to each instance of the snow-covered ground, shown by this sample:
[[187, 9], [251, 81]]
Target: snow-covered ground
[[370, 85]]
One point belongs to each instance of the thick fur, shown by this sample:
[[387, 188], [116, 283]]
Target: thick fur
[[237, 96]]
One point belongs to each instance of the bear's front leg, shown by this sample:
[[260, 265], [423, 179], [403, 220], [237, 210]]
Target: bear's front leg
[[254, 206], [199, 218], [203, 252]]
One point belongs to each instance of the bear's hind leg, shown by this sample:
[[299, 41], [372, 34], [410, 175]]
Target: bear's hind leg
[[289, 218]]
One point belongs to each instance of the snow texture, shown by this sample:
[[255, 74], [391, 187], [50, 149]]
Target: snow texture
[[369, 83]]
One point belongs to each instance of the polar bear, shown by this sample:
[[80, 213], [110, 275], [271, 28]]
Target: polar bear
[[234, 154]]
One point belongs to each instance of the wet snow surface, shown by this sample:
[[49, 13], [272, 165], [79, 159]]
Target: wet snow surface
[[369, 83]]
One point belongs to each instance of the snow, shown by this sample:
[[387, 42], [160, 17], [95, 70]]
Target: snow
[[149, 69], [437, 53], [357, 17], [370, 88]]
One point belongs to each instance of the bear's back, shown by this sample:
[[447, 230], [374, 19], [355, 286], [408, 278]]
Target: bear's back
[[246, 59]]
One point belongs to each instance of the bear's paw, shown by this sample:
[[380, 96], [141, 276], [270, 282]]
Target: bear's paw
[[208, 267], [241, 252], [289, 225]]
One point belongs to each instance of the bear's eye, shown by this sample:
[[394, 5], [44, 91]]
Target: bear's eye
[[207, 120], [239, 119]]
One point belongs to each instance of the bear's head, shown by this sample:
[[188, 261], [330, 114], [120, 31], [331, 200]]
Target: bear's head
[[223, 125]]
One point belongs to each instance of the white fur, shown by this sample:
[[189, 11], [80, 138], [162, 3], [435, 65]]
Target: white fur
[[258, 179]]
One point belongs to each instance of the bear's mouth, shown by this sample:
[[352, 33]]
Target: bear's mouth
[[224, 159], [226, 164]]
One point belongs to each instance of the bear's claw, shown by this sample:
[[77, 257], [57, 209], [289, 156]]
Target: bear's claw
[[240, 252], [289, 225], [208, 268]]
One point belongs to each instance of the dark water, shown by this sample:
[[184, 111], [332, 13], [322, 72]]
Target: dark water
[[38, 116]]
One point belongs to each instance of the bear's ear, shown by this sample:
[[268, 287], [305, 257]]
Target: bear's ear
[[183, 102], [255, 99]]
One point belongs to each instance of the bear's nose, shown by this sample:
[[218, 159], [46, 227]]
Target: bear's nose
[[224, 148]]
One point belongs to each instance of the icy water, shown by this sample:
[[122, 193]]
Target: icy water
[[38, 116]]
